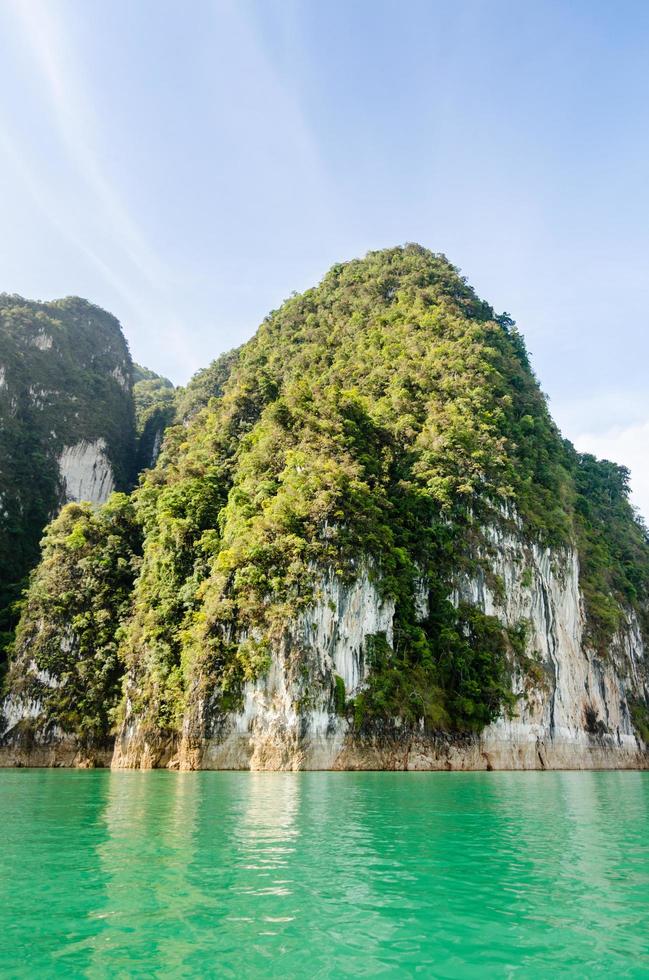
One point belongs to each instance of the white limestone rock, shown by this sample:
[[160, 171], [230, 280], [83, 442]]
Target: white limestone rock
[[121, 378], [42, 340], [86, 473], [578, 717], [584, 690]]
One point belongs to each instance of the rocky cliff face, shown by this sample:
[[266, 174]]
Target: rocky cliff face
[[572, 712], [365, 546], [573, 704], [288, 717], [86, 472]]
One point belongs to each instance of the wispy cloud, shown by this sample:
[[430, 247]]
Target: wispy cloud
[[255, 158], [73, 189], [265, 129], [63, 221], [48, 40]]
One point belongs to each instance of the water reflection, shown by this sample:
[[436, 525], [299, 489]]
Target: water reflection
[[267, 832], [324, 874], [52, 829], [146, 918]]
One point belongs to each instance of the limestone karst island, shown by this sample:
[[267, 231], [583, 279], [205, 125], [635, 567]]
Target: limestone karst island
[[324, 490], [358, 541]]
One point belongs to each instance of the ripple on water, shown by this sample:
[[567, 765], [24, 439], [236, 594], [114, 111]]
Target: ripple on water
[[324, 874]]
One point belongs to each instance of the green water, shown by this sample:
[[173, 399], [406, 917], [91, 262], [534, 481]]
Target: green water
[[323, 874]]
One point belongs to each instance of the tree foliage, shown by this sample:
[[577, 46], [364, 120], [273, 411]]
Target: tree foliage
[[68, 638]]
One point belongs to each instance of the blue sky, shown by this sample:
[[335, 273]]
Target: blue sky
[[187, 166]]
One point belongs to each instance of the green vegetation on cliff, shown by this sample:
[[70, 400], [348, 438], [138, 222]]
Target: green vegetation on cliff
[[65, 377], [80, 591], [612, 545], [155, 410], [206, 384], [158, 405], [377, 422]]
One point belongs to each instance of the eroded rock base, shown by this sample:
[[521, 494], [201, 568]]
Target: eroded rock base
[[68, 756], [410, 753]]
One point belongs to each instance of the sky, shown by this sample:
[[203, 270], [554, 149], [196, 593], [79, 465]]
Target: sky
[[187, 166]]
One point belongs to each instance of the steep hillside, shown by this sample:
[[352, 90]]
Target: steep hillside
[[206, 384], [66, 414], [373, 549], [155, 410], [158, 404]]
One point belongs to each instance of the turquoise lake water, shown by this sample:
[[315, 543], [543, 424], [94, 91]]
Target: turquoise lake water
[[128, 874]]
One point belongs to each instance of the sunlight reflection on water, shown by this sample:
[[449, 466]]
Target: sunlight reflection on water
[[322, 874]]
